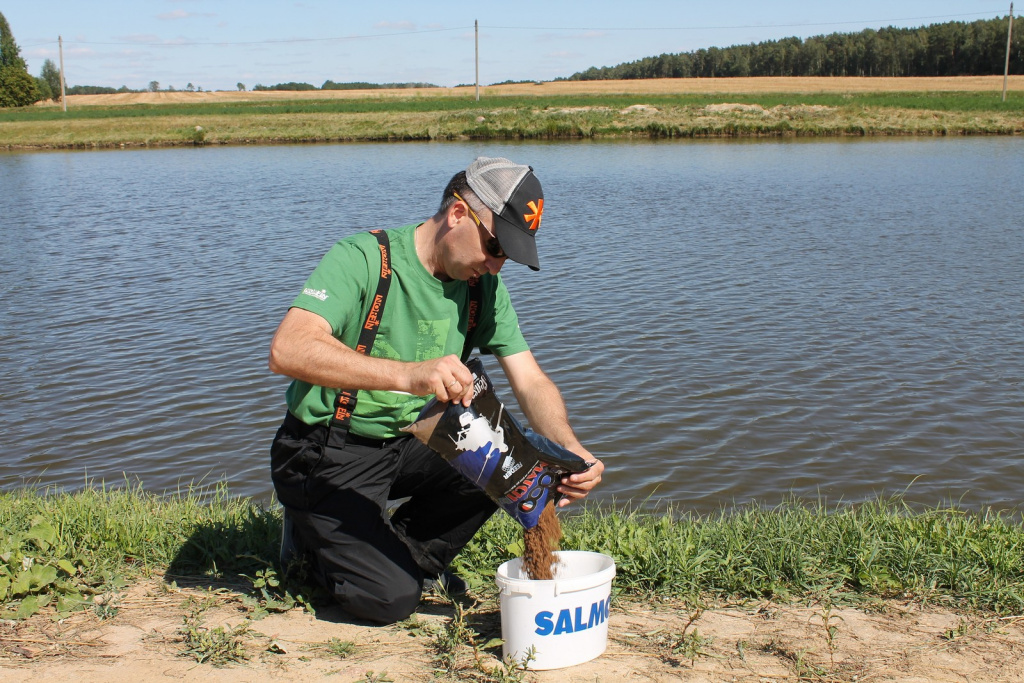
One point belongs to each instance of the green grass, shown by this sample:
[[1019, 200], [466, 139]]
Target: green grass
[[938, 101], [59, 551], [512, 117], [62, 550], [795, 550]]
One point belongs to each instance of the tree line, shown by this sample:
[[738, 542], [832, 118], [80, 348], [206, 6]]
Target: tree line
[[331, 85], [953, 48], [154, 86]]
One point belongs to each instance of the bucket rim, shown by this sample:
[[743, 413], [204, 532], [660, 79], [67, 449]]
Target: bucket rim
[[603, 576]]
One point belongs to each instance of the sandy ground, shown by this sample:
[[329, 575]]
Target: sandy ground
[[141, 638], [662, 86]]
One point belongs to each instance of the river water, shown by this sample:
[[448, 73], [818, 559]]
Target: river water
[[728, 321]]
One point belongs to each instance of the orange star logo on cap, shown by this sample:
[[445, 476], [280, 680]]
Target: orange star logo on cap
[[533, 219]]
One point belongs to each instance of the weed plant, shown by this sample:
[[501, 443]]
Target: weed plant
[[336, 647], [458, 651], [218, 646], [60, 551]]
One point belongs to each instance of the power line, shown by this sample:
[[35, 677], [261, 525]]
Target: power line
[[223, 43], [722, 28]]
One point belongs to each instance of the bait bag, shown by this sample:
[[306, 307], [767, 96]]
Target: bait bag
[[517, 468]]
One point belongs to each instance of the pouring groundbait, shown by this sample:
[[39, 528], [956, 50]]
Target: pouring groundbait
[[517, 468]]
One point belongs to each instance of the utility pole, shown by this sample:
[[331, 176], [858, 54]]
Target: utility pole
[[476, 41], [63, 97], [1009, 37]]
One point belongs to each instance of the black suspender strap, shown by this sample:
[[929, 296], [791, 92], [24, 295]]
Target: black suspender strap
[[476, 302], [345, 402]]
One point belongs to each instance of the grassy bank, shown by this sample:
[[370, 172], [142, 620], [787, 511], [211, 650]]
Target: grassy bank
[[512, 117], [60, 552]]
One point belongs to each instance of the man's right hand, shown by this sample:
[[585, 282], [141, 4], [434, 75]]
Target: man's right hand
[[304, 348], [447, 378]]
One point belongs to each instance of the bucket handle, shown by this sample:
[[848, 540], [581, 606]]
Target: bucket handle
[[521, 589], [516, 590]]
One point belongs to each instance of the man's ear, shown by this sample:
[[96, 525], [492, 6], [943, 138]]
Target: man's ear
[[456, 212]]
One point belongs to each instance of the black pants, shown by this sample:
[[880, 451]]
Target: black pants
[[373, 564]]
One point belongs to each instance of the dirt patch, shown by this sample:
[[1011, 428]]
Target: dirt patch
[[779, 110], [733, 106], [142, 634], [633, 108]]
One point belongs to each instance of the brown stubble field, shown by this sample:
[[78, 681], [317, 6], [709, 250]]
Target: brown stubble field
[[656, 86]]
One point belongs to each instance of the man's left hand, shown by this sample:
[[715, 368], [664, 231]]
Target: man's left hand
[[577, 486]]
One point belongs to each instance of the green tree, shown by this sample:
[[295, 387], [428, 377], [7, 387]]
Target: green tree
[[241, 87], [17, 87], [10, 53], [951, 49], [51, 74], [43, 89], [154, 86]]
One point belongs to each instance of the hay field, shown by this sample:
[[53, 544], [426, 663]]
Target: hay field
[[654, 86], [656, 108]]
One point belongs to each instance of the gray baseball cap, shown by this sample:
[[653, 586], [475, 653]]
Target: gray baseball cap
[[513, 193]]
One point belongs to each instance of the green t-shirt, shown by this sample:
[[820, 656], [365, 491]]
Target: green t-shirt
[[424, 318]]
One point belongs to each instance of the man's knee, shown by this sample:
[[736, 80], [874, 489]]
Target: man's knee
[[380, 604]]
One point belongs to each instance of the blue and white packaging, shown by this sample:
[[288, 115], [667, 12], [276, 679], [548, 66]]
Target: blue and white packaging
[[517, 468]]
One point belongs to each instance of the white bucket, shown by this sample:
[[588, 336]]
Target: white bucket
[[565, 619]]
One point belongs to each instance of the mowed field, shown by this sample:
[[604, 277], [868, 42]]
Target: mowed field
[[655, 86], [652, 108]]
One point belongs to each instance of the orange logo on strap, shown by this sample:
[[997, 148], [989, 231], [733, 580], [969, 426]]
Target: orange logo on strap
[[533, 219]]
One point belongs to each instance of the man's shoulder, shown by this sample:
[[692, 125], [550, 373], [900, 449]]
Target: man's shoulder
[[362, 245], [361, 240], [366, 241]]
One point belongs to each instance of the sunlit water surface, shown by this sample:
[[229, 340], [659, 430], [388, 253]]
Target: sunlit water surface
[[727, 321]]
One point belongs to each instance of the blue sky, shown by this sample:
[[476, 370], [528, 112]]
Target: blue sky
[[215, 44]]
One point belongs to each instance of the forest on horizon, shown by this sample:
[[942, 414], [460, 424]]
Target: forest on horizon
[[954, 48]]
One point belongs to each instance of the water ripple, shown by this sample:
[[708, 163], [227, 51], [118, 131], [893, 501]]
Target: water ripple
[[727, 322]]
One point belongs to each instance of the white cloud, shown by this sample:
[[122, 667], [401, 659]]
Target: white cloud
[[182, 14], [395, 25], [564, 54], [150, 39], [139, 38], [563, 37]]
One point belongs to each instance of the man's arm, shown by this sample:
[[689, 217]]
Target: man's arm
[[304, 348], [541, 402]]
